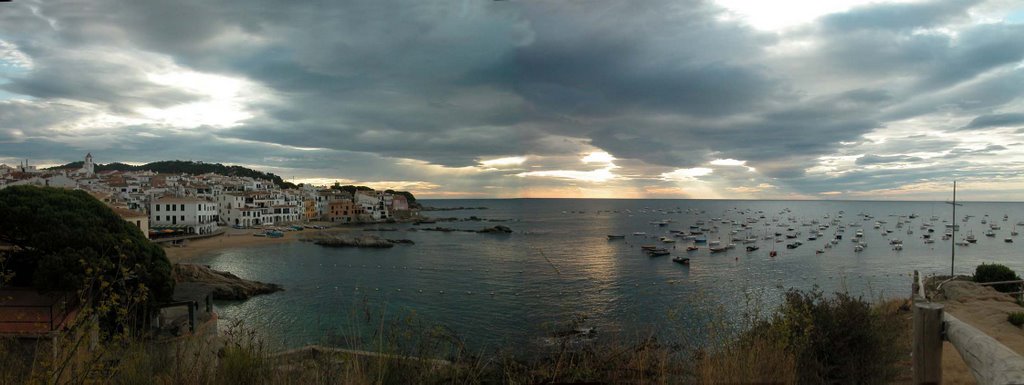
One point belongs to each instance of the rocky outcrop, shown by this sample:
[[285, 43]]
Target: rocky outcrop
[[489, 230], [496, 230], [338, 240], [222, 284]]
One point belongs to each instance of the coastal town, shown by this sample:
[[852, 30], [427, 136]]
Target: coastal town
[[179, 206]]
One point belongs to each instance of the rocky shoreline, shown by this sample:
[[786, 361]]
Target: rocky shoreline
[[223, 285]]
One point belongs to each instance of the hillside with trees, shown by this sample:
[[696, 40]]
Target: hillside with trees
[[186, 167], [62, 240], [198, 168]]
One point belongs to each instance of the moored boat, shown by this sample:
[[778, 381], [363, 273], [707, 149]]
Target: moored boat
[[682, 260], [658, 252]]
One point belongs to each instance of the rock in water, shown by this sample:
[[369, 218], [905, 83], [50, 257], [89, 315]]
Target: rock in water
[[357, 241], [496, 230], [222, 284]]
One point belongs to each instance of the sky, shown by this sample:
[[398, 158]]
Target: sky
[[727, 99]]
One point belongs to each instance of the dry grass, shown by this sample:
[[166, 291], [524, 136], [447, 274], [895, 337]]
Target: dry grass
[[239, 356]]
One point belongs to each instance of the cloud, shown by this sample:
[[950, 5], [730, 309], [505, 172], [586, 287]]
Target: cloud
[[897, 16], [659, 98], [869, 159], [686, 174], [995, 120]]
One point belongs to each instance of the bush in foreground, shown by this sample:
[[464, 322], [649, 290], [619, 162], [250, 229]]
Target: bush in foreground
[[997, 273], [838, 339]]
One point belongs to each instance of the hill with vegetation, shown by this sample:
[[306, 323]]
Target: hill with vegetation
[[186, 167], [198, 168]]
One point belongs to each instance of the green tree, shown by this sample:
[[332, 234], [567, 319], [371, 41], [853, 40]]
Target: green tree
[[66, 240], [995, 272]]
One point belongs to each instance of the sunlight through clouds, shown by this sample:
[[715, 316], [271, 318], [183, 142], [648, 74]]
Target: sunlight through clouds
[[224, 101]]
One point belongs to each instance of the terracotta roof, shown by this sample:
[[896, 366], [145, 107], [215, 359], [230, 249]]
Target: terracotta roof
[[126, 213], [181, 200]]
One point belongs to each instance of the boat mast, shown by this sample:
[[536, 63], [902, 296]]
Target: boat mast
[[952, 246]]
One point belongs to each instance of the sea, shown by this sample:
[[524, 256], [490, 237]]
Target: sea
[[558, 271]]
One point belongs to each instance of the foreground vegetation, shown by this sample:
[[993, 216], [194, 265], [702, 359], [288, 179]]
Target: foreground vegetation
[[811, 338]]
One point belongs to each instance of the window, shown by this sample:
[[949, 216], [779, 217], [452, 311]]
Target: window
[[182, 207], [157, 207], [167, 207], [158, 218], [182, 217]]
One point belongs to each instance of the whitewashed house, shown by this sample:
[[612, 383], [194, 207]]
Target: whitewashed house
[[372, 203], [193, 215]]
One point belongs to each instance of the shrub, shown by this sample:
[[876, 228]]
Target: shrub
[[1016, 318], [997, 273], [841, 339]]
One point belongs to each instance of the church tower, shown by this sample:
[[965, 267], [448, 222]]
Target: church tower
[[88, 167]]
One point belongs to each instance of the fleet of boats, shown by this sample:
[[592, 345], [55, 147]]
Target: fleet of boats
[[788, 227]]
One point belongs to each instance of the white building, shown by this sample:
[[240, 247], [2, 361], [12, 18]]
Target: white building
[[137, 218], [373, 204], [192, 215], [88, 167]]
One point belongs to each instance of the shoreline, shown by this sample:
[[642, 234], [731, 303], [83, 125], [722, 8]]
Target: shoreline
[[235, 238]]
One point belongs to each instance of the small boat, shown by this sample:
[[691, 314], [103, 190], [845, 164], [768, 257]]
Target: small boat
[[990, 233], [717, 249], [692, 248], [640, 233], [970, 238], [667, 240], [658, 252], [611, 236], [682, 260], [819, 251], [648, 247], [793, 245], [751, 248], [1008, 240]]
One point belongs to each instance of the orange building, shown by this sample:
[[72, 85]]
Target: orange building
[[344, 211]]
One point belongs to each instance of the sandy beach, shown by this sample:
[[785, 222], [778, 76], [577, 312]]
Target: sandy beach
[[235, 238]]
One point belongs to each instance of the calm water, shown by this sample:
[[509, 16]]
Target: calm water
[[494, 289]]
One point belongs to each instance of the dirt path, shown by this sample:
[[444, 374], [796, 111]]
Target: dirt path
[[985, 309]]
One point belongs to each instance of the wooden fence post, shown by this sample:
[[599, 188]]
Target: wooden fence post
[[928, 343], [192, 307]]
